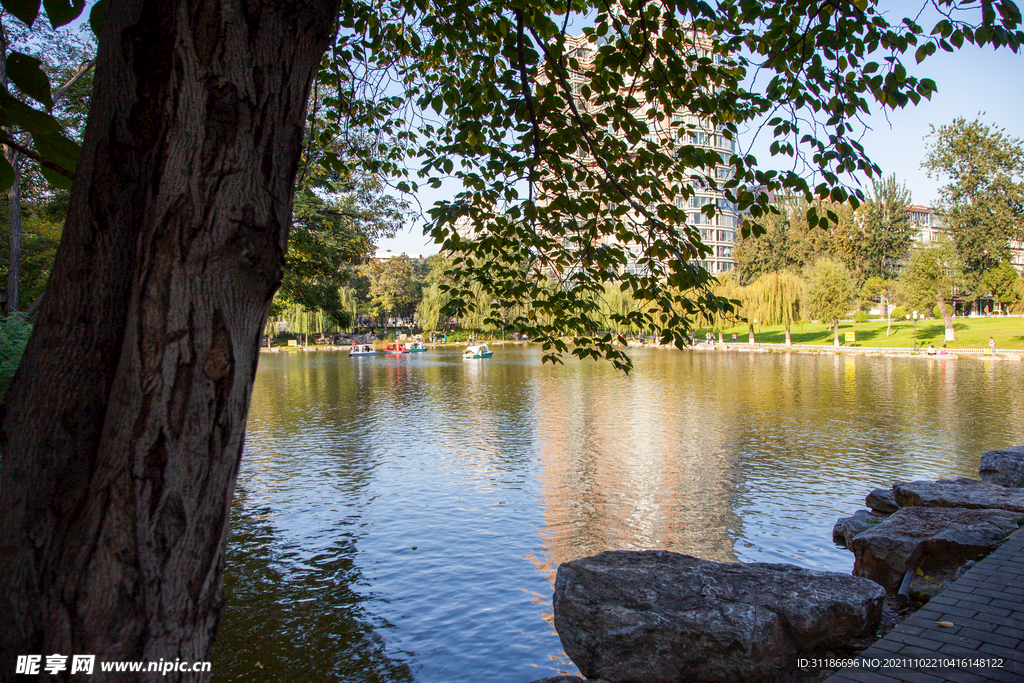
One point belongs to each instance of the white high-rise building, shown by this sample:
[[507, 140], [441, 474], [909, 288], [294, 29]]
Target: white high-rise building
[[718, 232]]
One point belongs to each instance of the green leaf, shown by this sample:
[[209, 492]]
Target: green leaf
[[58, 149], [6, 173], [63, 12], [26, 10], [14, 112], [26, 73], [56, 179], [99, 10]]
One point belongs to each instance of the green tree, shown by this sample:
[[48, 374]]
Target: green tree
[[931, 275], [392, 286], [433, 310], [829, 293], [67, 58], [983, 201], [887, 229], [124, 423], [776, 299], [1001, 283], [758, 255]]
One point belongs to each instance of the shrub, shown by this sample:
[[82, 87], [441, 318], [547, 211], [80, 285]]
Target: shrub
[[14, 333], [898, 313], [860, 317]]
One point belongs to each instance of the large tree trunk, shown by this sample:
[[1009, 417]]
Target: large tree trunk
[[835, 331], [947, 316], [123, 427], [750, 333]]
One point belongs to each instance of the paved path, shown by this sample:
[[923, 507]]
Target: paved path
[[986, 606]]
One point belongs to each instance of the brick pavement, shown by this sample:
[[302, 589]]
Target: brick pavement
[[986, 607]]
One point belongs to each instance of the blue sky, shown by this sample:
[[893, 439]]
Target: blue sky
[[972, 83]]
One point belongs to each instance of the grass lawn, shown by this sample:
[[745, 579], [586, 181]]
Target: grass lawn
[[971, 333]]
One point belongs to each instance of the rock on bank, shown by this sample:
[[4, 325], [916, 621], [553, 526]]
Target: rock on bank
[[660, 617]]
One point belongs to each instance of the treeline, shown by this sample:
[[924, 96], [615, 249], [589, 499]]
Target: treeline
[[875, 254]]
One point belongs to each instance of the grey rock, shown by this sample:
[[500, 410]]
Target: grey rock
[[958, 493], [661, 617], [1005, 467], [936, 540], [847, 528], [882, 500], [567, 679]]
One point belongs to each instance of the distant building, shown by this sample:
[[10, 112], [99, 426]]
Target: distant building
[[932, 227], [929, 222], [718, 232]]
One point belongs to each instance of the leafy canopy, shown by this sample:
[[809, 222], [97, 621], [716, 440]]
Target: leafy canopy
[[984, 198], [575, 167]]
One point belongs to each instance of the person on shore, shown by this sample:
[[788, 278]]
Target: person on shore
[[931, 349], [942, 352], [992, 345]]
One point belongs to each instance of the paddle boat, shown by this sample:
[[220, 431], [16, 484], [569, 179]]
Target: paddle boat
[[417, 347], [477, 351], [395, 347], [362, 350]]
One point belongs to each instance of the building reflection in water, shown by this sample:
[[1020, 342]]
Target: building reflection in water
[[631, 464], [403, 518]]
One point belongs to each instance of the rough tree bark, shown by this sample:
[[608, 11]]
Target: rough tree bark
[[122, 431]]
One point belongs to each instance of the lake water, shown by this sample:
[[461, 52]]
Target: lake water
[[402, 518]]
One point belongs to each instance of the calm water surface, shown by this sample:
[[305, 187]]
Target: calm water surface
[[401, 519]]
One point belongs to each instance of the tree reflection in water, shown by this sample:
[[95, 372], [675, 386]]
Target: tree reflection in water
[[294, 616]]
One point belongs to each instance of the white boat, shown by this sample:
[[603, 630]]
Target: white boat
[[477, 351], [362, 350]]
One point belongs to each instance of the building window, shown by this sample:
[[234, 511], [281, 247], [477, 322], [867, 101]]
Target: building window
[[726, 236], [698, 201]]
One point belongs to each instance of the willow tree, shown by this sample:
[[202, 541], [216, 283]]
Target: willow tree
[[727, 289], [123, 427], [775, 299]]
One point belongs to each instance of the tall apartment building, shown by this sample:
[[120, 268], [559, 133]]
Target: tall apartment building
[[718, 232]]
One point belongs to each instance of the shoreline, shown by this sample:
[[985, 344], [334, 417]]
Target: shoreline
[[1008, 355]]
